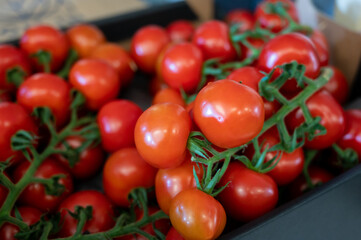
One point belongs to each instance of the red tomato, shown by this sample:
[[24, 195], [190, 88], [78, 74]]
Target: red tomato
[[11, 57], [161, 135], [321, 104], [224, 108], [158, 64], [321, 46], [146, 45], [173, 235], [244, 18], [97, 80], [180, 31], [168, 95], [197, 215], [48, 39], [287, 48], [13, 118], [116, 121], [90, 159], [46, 90], [212, 37], [102, 214], [116, 56], [337, 86], [249, 194], [181, 66], [123, 171], [84, 38], [29, 216]]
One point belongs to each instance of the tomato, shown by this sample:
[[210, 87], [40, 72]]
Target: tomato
[[97, 80], [102, 212], [228, 113], [244, 18], [173, 235], [84, 38], [197, 215], [249, 194], [158, 64], [12, 57], [123, 171], [321, 46], [212, 37], [337, 85], [161, 135], [29, 216], [146, 45], [13, 118], [48, 39], [34, 194], [168, 95], [116, 56], [116, 121], [46, 90], [321, 104], [180, 31], [285, 49], [274, 22], [90, 159]]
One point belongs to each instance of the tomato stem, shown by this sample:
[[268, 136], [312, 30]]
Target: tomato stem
[[71, 59]]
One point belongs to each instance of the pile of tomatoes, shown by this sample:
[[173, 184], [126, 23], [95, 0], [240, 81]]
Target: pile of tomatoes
[[202, 148]]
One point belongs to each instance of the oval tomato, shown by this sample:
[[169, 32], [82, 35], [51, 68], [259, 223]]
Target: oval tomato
[[168, 95], [180, 31], [244, 18], [337, 85]]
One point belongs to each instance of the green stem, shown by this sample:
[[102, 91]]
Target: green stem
[[23, 226], [72, 57], [4, 180], [309, 156]]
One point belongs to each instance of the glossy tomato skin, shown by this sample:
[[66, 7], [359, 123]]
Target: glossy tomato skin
[[84, 38], [34, 194], [173, 235], [321, 104], [212, 37], [46, 90], [168, 95], [102, 213], [321, 46], [116, 121], [97, 80], [244, 18], [161, 135], [180, 31], [13, 117], [48, 39], [223, 109], [123, 171], [249, 194], [146, 45], [337, 85], [197, 215]]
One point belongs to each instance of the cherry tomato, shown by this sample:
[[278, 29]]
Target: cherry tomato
[[13, 118], [84, 38], [48, 39], [244, 18], [97, 80], [46, 90], [228, 113], [116, 56], [123, 171], [287, 48], [197, 215], [168, 95], [180, 31], [102, 212], [116, 121], [321, 46], [173, 235], [337, 86], [161, 135], [34, 195], [321, 104], [249, 194], [146, 45], [212, 37], [158, 64]]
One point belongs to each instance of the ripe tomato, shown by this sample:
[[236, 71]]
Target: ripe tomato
[[321, 46], [34, 194], [337, 85], [84, 38], [13, 118], [180, 31], [321, 104], [48, 39], [161, 135], [212, 37], [249, 194], [197, 215], [29, 216], [287, 48], [168, 95], [116, 121], [46, 90], [123, 171], [146, 45], [116, 56], [244, 18], [97, 80], [224, 108], [173, 235], [102, 213]]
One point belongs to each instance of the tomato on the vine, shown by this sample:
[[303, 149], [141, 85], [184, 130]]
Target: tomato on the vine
[[244, 18], [180, 31], [168, 95], [337, 85], [321, 46]]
